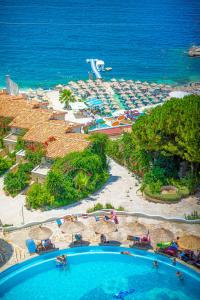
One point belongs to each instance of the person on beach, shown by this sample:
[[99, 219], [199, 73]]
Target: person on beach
[[155, 264]]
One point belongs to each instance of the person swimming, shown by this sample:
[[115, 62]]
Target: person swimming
[[155, 264], [62, 260], [174, 261], [179, 275], [126, 253]]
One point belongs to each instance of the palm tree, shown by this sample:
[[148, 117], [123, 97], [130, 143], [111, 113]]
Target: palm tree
[[81, 180], [66, 96]]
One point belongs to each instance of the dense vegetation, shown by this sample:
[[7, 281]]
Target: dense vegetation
[[163, 148], [16, 181], [73, 177], [5, 164]]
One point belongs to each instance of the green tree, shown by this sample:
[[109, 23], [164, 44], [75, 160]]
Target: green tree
[[81, 180], [99, 143], [173, 129], [66, 96], [56, 185]]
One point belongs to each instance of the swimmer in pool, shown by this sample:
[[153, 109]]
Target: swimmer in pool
[[179, 275], [155, 264], [127, 253]]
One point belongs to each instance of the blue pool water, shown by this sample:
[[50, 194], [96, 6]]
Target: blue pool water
[[97, 273], [47, 42]]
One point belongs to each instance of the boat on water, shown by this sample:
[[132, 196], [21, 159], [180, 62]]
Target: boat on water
[[108, 69], [194, 51]]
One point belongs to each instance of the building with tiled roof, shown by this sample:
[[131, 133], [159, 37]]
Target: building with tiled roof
[[41, 132], [60, 147]]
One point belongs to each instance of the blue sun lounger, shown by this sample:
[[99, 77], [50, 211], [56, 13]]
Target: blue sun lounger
[[31, 246], [59, 222]]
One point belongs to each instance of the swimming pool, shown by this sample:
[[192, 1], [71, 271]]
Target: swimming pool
[[97, 273]]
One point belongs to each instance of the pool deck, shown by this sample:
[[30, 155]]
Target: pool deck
[[126, 224]]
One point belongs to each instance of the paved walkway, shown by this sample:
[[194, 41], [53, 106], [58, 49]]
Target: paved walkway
[[120, 190]]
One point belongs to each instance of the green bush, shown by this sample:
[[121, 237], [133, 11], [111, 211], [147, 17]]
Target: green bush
[[120, 208], [193, 216], [109, 206], [15, 182], [96, 207], [171, 197], [99, 206], [35, 156], [5, 164], [39, 196]]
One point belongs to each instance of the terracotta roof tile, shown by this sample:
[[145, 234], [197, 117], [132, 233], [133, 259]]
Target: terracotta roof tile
[[29, 117], [41, 132], [62, 147], [11, 106]]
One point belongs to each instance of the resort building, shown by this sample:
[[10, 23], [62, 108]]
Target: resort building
[[40, 126]]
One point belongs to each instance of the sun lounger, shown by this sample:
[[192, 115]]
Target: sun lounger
[[31, 246], [59, 222], [133, 238]]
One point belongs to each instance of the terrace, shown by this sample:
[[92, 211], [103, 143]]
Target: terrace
[[39, 173]]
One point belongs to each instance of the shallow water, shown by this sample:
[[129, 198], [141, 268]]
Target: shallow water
[[99, 277], [47, 42]]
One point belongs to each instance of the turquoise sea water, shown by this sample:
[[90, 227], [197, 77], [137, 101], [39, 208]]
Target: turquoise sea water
[[47, 42], [99, 276]]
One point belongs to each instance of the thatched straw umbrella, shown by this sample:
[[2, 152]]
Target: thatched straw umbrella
[[72, 227], [136, 228], [190, 242], [104, 227], [40, 233], [161, 235]]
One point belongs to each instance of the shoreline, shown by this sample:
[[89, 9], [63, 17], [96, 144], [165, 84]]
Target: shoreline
[[51, 86]]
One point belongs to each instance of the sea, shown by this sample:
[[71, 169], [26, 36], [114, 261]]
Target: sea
[[47, 42]]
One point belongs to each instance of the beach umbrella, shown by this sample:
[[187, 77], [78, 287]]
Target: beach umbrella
[[161, 235], [136, 228], [72, 227], [190, 242], [40, 233], [104, 227]]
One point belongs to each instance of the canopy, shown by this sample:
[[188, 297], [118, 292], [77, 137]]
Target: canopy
[[190, 242], [136, 228], [40, 233], [72, 227], [94, 102], [161, 235], [104, 227]]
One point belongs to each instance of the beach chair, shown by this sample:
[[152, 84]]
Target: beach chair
[[31, 246], [58, 222]]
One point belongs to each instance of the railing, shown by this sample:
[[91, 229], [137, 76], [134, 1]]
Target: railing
[[102, 212]]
